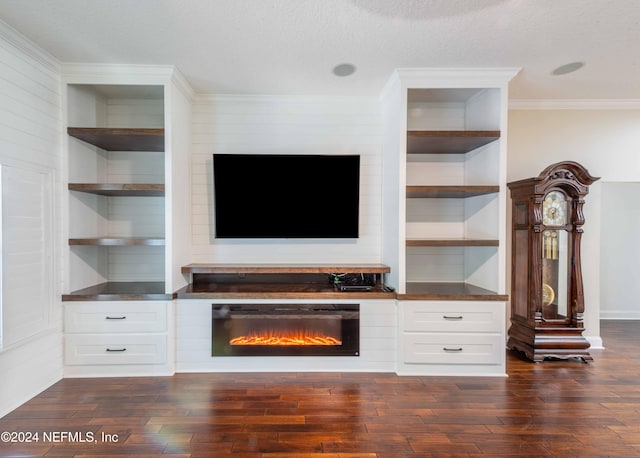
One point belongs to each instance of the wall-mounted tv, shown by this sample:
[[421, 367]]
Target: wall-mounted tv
[[286, 195]]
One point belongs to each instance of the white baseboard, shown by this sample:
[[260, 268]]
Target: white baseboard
[[620, 315], [595, 341]]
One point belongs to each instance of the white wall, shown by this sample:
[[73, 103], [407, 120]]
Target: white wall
[[286, 125], [30, 156], [607, 143], [620, 250]]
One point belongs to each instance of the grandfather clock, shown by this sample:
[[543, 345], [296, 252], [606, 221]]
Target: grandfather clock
[[547, 300]]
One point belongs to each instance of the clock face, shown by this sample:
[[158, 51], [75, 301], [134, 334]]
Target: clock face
[[554, 209]]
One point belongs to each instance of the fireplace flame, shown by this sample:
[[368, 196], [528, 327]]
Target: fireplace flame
[[285, 338]]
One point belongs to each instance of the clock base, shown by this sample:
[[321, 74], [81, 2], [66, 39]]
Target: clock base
[[549, 343]]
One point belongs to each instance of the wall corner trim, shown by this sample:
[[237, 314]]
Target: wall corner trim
[[22, 44]]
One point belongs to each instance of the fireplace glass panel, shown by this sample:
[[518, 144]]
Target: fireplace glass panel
[[285, 330]]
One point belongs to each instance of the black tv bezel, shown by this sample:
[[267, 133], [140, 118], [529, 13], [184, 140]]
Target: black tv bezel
[[333, 206]]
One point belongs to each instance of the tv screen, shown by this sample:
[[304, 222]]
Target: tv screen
[[286, 196]]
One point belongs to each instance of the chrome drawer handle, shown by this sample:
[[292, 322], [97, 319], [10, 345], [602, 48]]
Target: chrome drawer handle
[[115, 317], [446, 317], [116, 349], [452, 349]]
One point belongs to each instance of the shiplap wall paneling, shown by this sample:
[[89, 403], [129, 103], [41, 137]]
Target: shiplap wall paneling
[[27, 241], [286, 125], [30, 159]]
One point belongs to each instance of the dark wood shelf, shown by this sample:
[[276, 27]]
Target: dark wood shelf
[[122, 189], [448, 141], [120, 139], [118, 241], [280, 281], [449, 292], [284, 268], [451, 242], [121, 291], [450, 191]]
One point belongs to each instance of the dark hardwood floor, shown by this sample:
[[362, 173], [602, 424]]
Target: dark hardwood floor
[[555, 408]]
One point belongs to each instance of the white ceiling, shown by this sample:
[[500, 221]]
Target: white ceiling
[[291, 46]]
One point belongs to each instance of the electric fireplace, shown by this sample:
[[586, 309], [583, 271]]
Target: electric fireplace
[[285, 330]]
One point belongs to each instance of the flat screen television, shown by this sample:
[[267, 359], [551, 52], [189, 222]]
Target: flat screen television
[[286, 195]]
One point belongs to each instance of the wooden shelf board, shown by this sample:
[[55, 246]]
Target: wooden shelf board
[[121, 291], [284, 268], [120, 139], [119, 189], [449, 291], [451, 242], [450, 191], [448, 141], [118, 241]]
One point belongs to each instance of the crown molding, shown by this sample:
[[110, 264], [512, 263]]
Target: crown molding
[[574, 104], [93, 73], [25, 46], [182, 84]]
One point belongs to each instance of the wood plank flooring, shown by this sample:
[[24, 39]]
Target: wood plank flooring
[[555, 409]]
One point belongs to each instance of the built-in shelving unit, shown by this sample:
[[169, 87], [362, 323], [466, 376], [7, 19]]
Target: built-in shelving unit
[[126, 155], [445, 225], [116, 192], [453, 184]]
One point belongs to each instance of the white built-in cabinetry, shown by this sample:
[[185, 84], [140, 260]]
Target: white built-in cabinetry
[[118, 338], [445, 217], [127, 156]]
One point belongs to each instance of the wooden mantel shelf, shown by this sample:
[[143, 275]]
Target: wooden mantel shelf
[[284, 268], [280, 281]]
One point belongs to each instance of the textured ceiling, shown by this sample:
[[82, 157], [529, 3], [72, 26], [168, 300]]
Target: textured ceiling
[[291, 46]]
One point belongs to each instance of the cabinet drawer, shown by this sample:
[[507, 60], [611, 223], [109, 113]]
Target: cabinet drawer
[[104, 349], [453, 348], [446, 316], [115, 317]]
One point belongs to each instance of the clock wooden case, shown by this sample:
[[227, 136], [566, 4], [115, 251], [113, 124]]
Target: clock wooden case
[[547, 300]]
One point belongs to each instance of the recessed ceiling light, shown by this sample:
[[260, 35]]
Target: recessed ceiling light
[[568, 68], [344, 69]]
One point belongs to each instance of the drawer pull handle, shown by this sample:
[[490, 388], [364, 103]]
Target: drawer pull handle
[[119, 350], [452, 350], [116, 317], [446, 317]]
